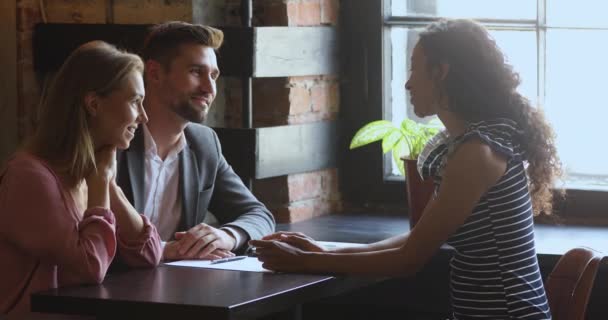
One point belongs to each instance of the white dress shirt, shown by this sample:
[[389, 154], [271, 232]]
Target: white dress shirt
[[163, 203]]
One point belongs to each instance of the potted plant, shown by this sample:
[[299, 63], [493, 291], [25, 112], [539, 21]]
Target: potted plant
[[405, 143]]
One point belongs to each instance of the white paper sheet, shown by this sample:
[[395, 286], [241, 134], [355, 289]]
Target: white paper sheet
[[248, 264], [251, 264]]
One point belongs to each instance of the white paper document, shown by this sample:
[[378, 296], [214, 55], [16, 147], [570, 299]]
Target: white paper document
[[248, 264]]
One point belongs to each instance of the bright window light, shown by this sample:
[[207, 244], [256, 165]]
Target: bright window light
[[562, 64]]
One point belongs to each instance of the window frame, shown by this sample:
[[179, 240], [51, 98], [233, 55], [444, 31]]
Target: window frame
[[365, 92]]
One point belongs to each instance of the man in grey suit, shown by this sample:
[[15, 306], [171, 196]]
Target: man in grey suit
[[174, 171]]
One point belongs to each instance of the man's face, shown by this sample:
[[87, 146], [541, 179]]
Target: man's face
[[188, 86]]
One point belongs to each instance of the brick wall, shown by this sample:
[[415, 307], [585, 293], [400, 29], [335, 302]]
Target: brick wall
[[294, 100], [276, 101], [283, 101], [31, 12], [298, 197]]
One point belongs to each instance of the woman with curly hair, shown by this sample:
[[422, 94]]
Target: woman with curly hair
[[493, 167]]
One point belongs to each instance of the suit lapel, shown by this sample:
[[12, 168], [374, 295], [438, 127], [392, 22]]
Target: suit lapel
[[188, 188], [135, 163]]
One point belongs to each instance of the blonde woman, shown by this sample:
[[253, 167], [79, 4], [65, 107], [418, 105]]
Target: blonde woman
[[63, 217]]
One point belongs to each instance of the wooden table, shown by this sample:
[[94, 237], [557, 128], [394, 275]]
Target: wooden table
[[171, 291], [217, 294]]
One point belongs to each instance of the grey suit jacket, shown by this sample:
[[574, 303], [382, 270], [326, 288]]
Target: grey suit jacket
[[206, 183]]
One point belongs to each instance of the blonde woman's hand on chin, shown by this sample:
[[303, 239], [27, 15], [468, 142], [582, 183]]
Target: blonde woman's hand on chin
[[105, 158], [98, 181], [130, 223]]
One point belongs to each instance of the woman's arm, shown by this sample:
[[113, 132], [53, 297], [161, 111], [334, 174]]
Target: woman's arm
[[130, 223], [390, 243], [306, 243], [471, 170], [138, 240], [37, 219]]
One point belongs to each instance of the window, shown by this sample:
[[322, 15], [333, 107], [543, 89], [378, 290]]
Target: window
[[560, 50]]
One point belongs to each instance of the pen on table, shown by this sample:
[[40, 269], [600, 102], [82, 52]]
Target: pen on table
[[229, 259]]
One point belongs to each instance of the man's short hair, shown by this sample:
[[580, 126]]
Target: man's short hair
[[163, 41]]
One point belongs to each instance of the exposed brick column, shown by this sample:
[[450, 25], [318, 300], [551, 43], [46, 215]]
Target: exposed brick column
[[298, 197], [292, 100], [283, 101]]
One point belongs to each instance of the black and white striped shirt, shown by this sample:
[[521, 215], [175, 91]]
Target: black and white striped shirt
[[494, 271]]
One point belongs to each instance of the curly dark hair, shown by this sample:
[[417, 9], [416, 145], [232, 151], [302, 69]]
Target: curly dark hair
[[481, 85]]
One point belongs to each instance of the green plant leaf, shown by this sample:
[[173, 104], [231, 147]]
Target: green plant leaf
[[406, 140], [410, 127], [420, 135], [372, 132], [391, 139], [400, 150]]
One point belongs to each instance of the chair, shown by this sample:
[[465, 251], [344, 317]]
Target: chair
[[569, 285]]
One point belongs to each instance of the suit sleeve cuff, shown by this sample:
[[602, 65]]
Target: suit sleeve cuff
[[239, 235]]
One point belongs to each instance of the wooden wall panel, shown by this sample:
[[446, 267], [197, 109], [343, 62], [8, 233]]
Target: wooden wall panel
[[295, 51], [151, 11], [8, 79]]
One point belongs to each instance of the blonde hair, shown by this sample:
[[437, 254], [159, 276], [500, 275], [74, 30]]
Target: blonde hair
[[63, 136]]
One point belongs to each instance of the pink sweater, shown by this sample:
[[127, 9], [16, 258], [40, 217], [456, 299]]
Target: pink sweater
[[44, 242]]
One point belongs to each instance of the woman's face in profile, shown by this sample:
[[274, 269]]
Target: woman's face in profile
[[421, 86], [119, 113]]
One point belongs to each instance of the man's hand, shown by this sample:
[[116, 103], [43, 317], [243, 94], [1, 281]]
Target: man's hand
[[202, 240], [171, 252]]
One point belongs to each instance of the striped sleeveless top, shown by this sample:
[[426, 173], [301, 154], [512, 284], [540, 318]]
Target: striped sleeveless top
[[494, 271]]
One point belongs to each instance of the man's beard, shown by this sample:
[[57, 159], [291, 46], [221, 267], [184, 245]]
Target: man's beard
[[186, 110]]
